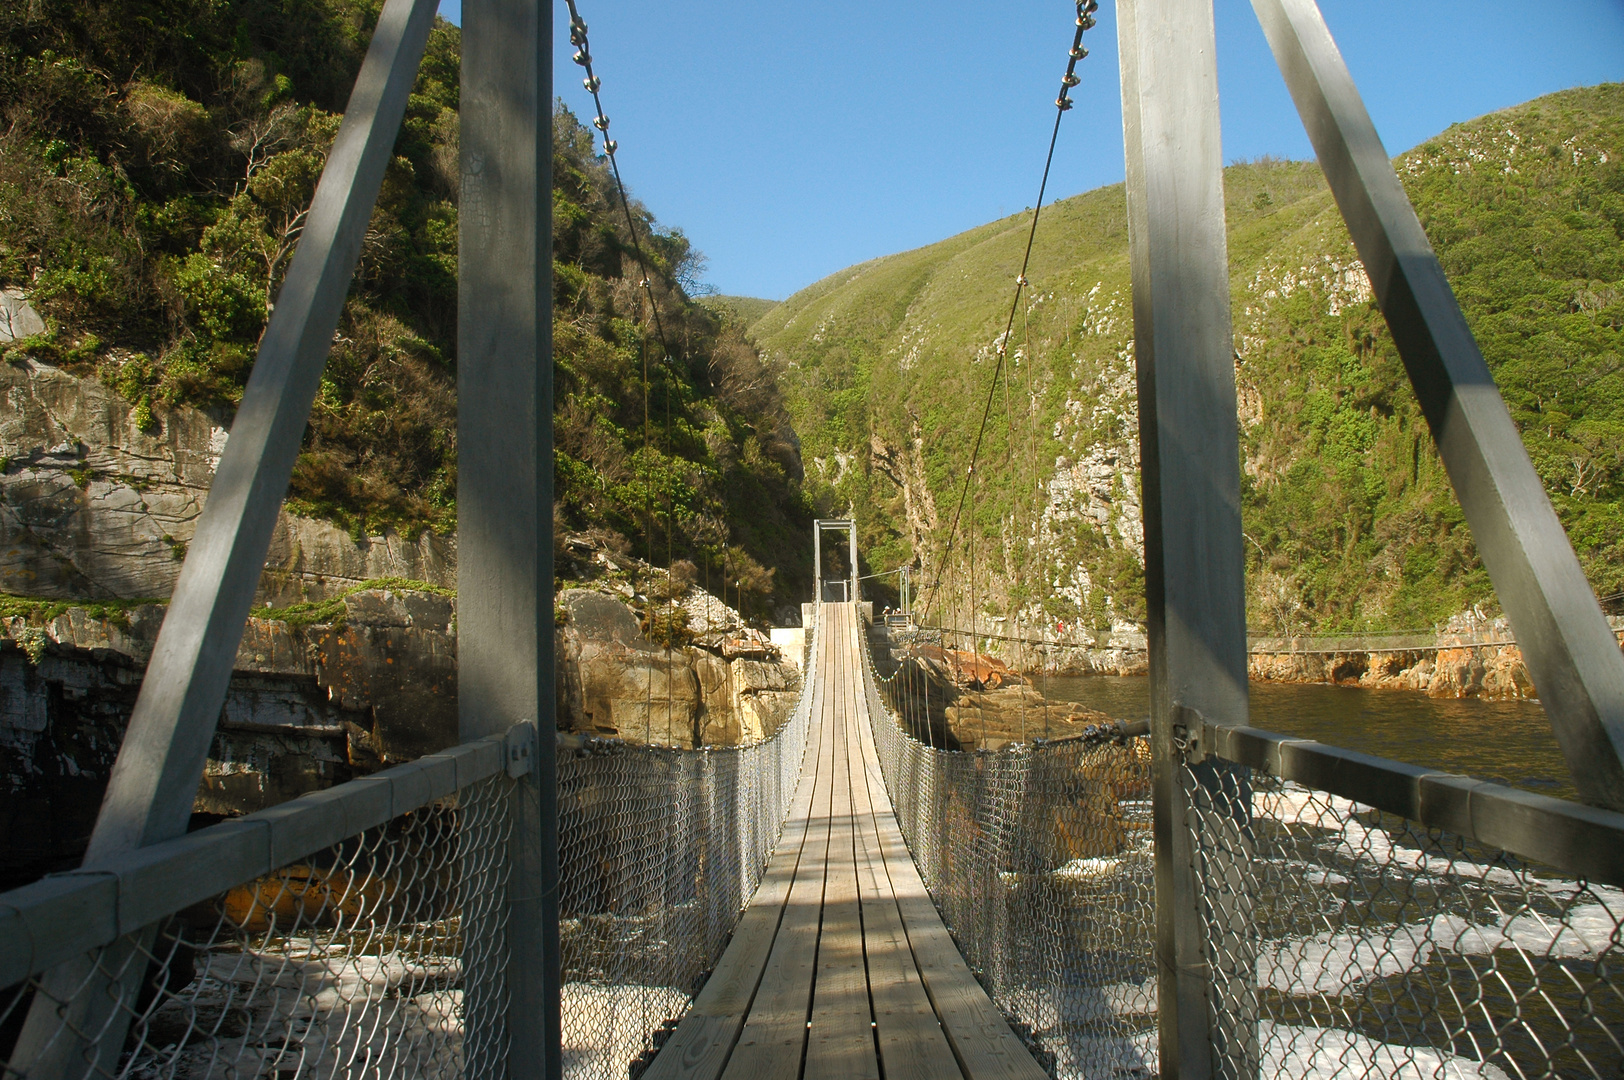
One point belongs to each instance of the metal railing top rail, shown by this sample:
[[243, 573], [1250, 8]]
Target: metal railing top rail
[[52, 920], [1585, 841], [1417, 641]]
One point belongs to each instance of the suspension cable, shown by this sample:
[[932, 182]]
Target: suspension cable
[[594, 85], [583, 57], [1063, 104]]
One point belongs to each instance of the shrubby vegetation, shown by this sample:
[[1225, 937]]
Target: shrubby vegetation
[[690, 455], [156, 161], [1349, 518]]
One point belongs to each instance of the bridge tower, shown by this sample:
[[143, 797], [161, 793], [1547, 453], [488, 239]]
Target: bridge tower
[[834, 590]]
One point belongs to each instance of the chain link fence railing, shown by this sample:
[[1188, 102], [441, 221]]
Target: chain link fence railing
[[1357, 941], [661, 849], [361, 932], [354, 957], [1038, 856], [1357, 917]]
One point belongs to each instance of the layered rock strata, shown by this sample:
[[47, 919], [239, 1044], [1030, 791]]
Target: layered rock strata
[[99, 500], [614, 682], [313, 705]]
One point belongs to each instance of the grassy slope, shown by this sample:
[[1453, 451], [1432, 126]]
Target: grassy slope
[[746, 309], [1350, 518]]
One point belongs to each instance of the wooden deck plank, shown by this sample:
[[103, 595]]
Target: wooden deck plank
[[841, 934], [774, 1033], [911, 1042], [699, 1047], [840, 1040], [772, 1041], [982, 1041]]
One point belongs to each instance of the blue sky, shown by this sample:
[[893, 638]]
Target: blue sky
[[789, 140]]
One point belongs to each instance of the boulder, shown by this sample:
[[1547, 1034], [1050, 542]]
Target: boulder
[[640, 695], [18, 319], [612, 681], [615, 682], [991, 718], [745, 700], [596, 616]]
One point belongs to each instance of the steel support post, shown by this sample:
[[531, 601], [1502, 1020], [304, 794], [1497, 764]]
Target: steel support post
[[1194, 569], [1565, 641], [505, 488], [160, 762], [817, 562], [851, 535]]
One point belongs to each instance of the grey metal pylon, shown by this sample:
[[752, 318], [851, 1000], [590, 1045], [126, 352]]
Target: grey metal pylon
[[1190, 470], [1571, 653], [505, 477]]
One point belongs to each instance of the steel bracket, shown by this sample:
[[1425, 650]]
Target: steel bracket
[[519, 748], [1188, 726]]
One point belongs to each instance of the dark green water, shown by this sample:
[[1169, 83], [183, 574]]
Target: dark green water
[[1509, 742]]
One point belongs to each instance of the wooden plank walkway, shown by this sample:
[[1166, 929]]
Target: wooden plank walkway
[[840, 966]]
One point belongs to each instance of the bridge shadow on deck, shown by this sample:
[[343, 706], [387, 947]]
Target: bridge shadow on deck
[[840, 967]]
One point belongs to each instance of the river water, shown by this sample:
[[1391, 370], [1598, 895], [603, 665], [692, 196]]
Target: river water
[[1509, 742]]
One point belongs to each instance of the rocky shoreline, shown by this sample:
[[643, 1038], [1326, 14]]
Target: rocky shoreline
[[1483, 664], [1449, 671]]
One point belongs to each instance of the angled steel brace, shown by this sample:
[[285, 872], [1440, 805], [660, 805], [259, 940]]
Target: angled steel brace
[[1570, 651], [154, 779]]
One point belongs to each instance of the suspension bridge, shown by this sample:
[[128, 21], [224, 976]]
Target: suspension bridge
[[840, 966], [1187, 897]]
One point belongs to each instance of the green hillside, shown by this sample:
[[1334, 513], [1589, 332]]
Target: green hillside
[[746, 309], [156, 160], [1349, 518]]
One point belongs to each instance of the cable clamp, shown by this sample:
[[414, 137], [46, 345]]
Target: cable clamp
[[1187, 726]]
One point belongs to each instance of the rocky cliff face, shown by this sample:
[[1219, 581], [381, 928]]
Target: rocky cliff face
[[614, 682], [99, 500], [314, 705], [904, 466], [308, 707]]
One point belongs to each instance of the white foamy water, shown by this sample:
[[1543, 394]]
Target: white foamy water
[[1298, 1053], [607, 1027]]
